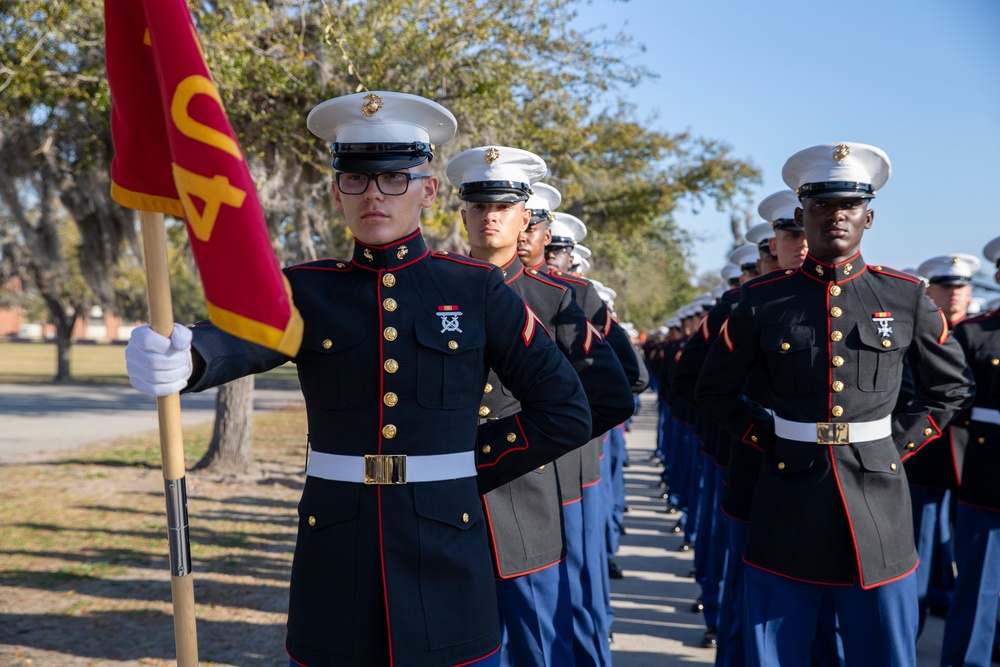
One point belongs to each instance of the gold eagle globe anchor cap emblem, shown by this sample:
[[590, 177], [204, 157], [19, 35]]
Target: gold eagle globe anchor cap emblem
[[841, 152], [492, 155], [372, 104]]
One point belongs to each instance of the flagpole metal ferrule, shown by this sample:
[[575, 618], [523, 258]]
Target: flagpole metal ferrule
[[177, 527]]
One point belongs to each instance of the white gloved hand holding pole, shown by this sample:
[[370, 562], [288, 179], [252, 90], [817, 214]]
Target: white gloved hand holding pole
[[157, 365]]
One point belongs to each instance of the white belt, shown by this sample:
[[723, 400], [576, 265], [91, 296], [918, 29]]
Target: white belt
[[986, 415], [833, 433], [391, 468]]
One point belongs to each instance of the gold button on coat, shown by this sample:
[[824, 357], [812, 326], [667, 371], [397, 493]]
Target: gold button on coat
[[312, 521], [995, 362], [781, 465], [837, 386], [511, 437], [928, 431], [892, 466], [785, 346], [487, 449], [836, 336], [327, 344], [835, 290], [484, 411], [836, 311], [981, 440], [389, 304], [391, 365], [388, 280], [910, 445], [389, 431], [887, 343], [837, 361], [390, 399], [465, 517], [452, 345], [753, 438], [488, 388], [837, 411], [389, 333]]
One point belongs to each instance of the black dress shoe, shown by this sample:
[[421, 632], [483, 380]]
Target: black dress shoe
[[686, 546], [693, 572], [614, 570], [628, 508], [622, 531], [711, 638], [671, 508], [697, 606], [611, 637], [677, 529]]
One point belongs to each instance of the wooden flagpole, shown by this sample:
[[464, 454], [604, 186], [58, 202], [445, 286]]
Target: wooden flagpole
[[168, 408]]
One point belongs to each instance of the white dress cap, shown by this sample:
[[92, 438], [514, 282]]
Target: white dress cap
[[381, 131], [744, 255], [543, 198], [731, 272], [991, 250], [568, 229], [607, 294], [759, 234], [495, 173], [779, 210], [957, 269], [837, 170], [705, 301], [579, 264], [673, 323], [582, 251], [718, 291]]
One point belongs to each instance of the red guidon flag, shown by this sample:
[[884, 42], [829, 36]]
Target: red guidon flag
[[176, 153]]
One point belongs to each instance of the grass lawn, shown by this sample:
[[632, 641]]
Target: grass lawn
[[103, 362]]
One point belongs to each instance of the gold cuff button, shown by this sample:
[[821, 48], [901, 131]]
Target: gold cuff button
[[836, 311], [835, 290], [928, 431], [837, 361], [981, 440], [465, 517], [910, 445], [995, 362], [837, 386], [391, 365], [753, 438], [781, 465], [389, 431], [452, 345], [484, 411], [837, 411], [487, 449], [389, 304], [312, 521], [511, 437], [488, 388], [390, 399], [887, 343], [892, 466], [785, 346], [836, 336], [390, 334], [388, 280], [327, 343]]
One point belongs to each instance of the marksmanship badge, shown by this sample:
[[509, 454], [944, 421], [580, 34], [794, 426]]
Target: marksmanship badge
[[883, 319], [449, 318]]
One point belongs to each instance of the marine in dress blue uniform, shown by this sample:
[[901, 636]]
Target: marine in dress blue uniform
[[831, 504], [392, 564], [970, 628], [936, 472], [530, 518]]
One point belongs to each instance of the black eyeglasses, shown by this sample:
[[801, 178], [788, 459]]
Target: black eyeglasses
[[390, 183]]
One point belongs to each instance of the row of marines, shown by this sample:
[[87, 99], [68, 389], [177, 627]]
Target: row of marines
[[457, 507], [830, 431]]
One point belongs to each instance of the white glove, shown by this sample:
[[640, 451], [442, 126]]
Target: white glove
[[157, 365]]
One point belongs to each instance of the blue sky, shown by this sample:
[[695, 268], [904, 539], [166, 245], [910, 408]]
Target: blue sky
[[918, 78]]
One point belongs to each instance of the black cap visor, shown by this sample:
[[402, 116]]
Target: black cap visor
[[495, 191], [836, 190], [376, 158]]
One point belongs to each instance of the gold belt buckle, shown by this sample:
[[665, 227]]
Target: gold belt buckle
[[828, 433], [385, 468]]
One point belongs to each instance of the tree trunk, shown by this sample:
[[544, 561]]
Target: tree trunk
[[230, 452], [64, 343]]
